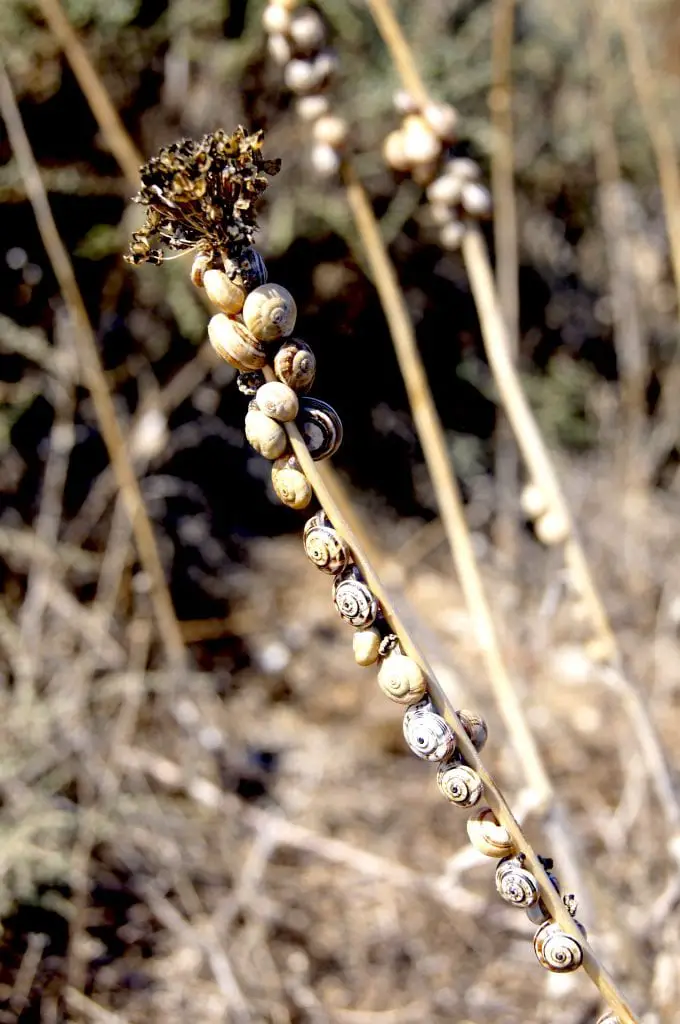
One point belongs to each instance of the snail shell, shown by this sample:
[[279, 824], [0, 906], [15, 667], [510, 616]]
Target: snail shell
[[404, 103], [279, 49], [441, 214], [533, 501], [538, 913], [452, 234], [269, 312], [275, 19], [389, 643], [224, 293], [459, 784], [290, 483], [442, 119], [608, 1018], [234, 342], [551, 528], [488, 836], [475, 727], [324, 160], [445, 189], [476, 199], [326, 549], [278, 401], [305, 76], [249, 382], [330, 130], [463, 168], [555, 950], [295, 365], [319, 519], [401, 679], [427, 734], [354, 601], [267, 437], [366, 645], [307, 30], [394, 152], [309, 108], [201, 263], [248, 269], [321, 428], [515, 884], [421, 145]]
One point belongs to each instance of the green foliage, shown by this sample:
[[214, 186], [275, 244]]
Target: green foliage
[[560, 399]]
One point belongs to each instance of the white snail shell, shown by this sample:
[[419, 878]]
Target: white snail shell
[[556, 950], [201, 263], [488, 836], [330, 130], [234, 342], [401, 679], [445, 189], [442, 119], [404, 103], [275, 18], [309, 108], [321, 428], [290, 483], [326, 548], [452, 234], [366, 646], [460, 784], [394, 152], [421, 145], [224, 293], [324, 159], [267, 437], [475, 727], [427, 734], [295, 365], [440, 214], [307, 30], [551, 528], [279, 49], [463, 168], [269, 312], [476, 199], [353, 599], [533, 501], [515, 884], [300, 77], [278, 401]]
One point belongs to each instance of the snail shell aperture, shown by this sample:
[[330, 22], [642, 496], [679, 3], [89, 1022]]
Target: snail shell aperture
[[326, 549], [556, 950], [321, 428], [428, 735], [353, 599], [295, 365], [460, 784], [234, 342], [290, 483], [515, 884], [401, 679], [269, 312], [278, 401], [488, 836]]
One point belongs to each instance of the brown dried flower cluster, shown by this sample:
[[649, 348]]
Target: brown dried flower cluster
[[202, 195]]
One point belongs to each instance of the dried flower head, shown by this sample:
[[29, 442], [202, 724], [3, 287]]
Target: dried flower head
[[202, 195]]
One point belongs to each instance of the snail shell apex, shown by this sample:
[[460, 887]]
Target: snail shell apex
[[234, 343], [366, 645], [224, 293], [353, 599], [290, 483], [266, 436], [460, 784], [401, 679], [269, 312], [488, 836], [295, 365], [326, 549], [515, 884], [556, 950], [321, 428], [278, 401], [427, 734]]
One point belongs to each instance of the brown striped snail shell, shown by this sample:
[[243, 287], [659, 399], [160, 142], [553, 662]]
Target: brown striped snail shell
[[318, 519], [460, 784], [366, 645], [247, 269], [515, 884], [290, 483], [224, 293], [427, 734], [475, 727], [266, 436], [295, 365], [556, 950], [353, 599], [278, 401], [269, 312], [201, 263], [608, 1018], [321, 428], [401, 679], [326, 549], [488, 836], [234, 342]]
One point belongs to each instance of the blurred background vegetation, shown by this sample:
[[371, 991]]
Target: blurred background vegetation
[[140, 869]]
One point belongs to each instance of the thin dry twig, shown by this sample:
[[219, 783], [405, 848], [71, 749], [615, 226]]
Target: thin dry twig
[[93, 373]]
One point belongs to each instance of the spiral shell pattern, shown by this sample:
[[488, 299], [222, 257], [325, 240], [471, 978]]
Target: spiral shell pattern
[[555, 950], [515, 884], [460, 784], [401, 679], [326, 549], [488, 836], [295, 365], [608, 1018], [321, 428], [427, 734], [475, 727], [249, 269], [354, 601]]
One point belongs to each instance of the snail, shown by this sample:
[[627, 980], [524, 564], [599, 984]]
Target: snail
[[201, 263], [279, 49], [290, 483], [394, 152], [442, 119], [515, 884], [440, 214], [324, 160], [421, 145], [321, 428], [353, 599], [269, 312], [309, 108], [452, 234], [488, 836], [248, 269], [463, 168], [445, 189], [551, 528], [326, 548], [538, 913], [234, 342], [427, 734], [608, 1018], [401, 679], [307, 30], [267, 437], [476, 199], [475, 727], [224, 293], [306, 76], [330, 130], [278, 401], [295, 365], [555, 950], [275, 19], [533, 501], [366, 644], [460, 784]]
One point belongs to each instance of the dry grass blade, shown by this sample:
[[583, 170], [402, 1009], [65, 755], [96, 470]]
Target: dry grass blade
[[93, 374]]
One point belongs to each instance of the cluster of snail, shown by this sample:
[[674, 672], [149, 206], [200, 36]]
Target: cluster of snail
[[297, 42], [255, 318], [549, 524], [430, 737]]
